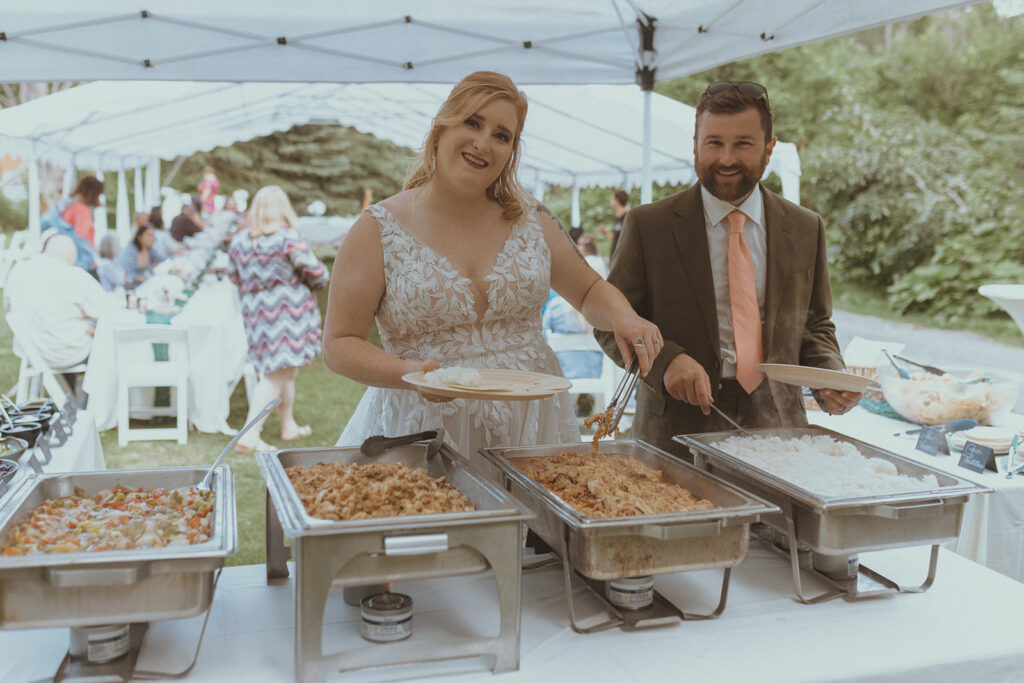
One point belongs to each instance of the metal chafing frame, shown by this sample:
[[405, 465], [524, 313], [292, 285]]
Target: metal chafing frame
[[356, 553], [844, 525], [564, 528]]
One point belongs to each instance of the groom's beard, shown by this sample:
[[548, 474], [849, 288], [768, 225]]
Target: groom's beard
[[738, 186]]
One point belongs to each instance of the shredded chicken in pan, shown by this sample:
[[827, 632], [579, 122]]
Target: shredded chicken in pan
[[603, 420], [336, 491], [609, 486]]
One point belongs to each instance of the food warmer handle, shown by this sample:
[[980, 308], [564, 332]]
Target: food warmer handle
[[671, 532], [418, 544], [908, 511], [108, 576]]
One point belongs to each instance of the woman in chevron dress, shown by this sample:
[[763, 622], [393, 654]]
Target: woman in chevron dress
[[276, 274]]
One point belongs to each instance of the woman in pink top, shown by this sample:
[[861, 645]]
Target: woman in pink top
[[208, 189], [78, 213]]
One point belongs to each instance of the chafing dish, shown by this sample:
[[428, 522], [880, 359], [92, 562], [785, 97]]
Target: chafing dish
[[353, 553], [604, 548], [88, 588], [834, 529]]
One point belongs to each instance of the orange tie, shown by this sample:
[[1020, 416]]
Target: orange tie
[[746, 317]]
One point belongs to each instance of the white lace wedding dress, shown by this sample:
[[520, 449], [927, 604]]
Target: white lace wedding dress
[[427, 312]]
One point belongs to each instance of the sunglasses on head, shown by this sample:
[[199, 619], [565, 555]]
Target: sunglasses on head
[[749, 88]]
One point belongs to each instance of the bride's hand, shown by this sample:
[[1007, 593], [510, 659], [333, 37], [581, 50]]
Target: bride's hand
[[637, 336], [425, 367]]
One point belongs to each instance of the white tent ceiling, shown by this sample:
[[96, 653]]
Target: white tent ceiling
[[533, 41]]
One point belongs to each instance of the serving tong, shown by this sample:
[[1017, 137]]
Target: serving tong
[[623, 393]]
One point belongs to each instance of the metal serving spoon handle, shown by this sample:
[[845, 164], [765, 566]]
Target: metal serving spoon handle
[[205, 483]]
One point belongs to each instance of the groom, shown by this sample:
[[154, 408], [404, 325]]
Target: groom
[[734, 275]]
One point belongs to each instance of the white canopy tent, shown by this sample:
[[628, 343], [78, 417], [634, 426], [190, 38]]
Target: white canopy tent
[[575, 135], [533, 41]]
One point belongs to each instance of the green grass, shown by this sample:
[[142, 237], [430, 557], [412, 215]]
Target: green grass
[[856, 298]]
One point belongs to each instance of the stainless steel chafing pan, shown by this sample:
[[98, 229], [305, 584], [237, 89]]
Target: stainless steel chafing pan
[[87, 588], [848, 524], [353, 553], [832, 526], [617, 547]]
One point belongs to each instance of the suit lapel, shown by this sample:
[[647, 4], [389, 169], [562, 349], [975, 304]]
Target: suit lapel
[[690, 232], [780, 232]]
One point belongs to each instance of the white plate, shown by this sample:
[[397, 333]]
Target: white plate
[[498, 385], [815, 378]]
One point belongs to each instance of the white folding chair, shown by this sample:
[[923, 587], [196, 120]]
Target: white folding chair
[[602, 385], [135, 349], [35, 374]]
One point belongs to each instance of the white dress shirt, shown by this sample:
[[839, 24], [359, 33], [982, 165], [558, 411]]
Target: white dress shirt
[[715, 211]]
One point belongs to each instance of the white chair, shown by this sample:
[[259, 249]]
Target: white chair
[[137, 367], [602, 385], [34, 374], [14, 252]]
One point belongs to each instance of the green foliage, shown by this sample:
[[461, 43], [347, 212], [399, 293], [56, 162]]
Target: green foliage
[[910, 140], [13, 215], [330, 163]]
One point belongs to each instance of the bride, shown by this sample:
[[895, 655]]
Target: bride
[[456, 269]]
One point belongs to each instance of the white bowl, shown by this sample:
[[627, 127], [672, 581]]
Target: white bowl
[[931, 399]]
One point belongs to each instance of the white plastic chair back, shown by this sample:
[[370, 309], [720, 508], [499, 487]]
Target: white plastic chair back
[[136, 351], [34, 370], [605, 383]]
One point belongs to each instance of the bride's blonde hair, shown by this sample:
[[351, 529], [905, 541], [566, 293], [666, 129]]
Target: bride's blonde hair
[[469, 96]]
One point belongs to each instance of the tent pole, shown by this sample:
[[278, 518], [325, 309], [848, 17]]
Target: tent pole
[[121, 210], [68, 186], [153, 180], [646, 187], [33, 200], [574, 221], [140, 195], [99, 214]]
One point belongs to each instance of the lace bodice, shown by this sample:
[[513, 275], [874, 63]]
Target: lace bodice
[[427, 310]]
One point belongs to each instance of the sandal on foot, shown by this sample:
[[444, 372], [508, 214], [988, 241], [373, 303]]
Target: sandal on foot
[[257, 447], [301, 433]]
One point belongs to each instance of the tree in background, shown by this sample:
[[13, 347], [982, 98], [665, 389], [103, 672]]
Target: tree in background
[[327, 162], [910, 142]]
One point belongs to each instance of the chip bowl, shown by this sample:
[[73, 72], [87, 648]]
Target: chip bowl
[[927, 399]]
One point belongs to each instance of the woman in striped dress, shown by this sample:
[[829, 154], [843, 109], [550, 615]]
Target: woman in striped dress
[[276, 274]]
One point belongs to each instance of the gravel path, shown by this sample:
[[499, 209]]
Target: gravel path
[[941, 348]]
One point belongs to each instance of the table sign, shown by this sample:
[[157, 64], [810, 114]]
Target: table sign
[[932, 440], [977, 458]]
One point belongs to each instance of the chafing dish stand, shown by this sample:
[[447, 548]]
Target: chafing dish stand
[[597, 549], [363, 552], [823, 535]]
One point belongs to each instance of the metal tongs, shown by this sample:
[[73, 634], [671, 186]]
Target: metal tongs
[[623, 393]]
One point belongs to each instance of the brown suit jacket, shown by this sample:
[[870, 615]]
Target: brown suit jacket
[[662, 267]]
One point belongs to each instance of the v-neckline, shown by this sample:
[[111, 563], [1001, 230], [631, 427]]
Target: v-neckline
[[488, 278]]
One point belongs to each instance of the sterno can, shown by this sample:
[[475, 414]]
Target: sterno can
[[631, 593], [386, 617]]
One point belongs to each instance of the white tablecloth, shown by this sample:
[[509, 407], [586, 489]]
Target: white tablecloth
[[216, 348], [963, 628], [993, 528]]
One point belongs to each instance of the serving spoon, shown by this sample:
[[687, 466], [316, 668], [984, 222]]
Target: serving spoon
[[204, 485]]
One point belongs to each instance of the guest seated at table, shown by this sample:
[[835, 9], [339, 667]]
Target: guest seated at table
[[108, 266], [226, 220], [276, 273], [188, 222], [588, 247], [165, 245], [58, 302], [140, 256]]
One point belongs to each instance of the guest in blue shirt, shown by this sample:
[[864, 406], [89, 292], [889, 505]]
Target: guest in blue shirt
[[139, 256], [108, 267]]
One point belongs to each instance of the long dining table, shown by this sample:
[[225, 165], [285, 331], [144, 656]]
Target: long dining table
[[216, 356]]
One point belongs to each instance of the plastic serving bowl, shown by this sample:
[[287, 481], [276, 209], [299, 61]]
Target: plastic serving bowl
[[932, 399]]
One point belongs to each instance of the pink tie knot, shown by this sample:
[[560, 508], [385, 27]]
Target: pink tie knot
[[736, 220]]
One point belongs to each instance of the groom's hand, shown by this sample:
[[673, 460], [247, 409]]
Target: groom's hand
[[686, 380]]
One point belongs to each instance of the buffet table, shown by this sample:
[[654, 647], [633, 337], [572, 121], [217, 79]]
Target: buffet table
[[993, 527], [961, 629], [216, 346]]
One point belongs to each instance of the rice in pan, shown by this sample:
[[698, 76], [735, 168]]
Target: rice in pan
[[824, 465]]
